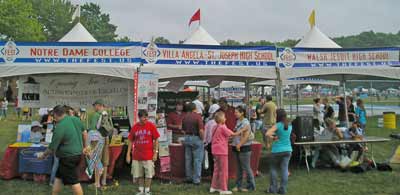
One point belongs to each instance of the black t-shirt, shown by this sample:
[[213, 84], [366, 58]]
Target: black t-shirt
[[353, 111], [328, 112]]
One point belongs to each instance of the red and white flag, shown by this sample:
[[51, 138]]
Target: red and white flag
[[195, 17]]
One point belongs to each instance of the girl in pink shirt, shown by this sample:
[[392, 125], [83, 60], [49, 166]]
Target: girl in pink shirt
[[220, 138]]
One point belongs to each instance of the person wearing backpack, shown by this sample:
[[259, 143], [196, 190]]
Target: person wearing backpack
[[102, 122], [242, 151]]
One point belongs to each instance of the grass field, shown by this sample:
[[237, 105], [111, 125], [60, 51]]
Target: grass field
[[318, 181]]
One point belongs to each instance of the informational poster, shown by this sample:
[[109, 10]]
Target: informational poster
[[75, 90], [146, 94]]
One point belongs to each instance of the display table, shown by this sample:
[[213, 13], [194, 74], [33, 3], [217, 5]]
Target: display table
[[305, 147], [9, 165], [177, 163]]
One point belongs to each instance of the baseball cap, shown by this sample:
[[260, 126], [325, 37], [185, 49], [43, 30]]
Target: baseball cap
[[99, 102]]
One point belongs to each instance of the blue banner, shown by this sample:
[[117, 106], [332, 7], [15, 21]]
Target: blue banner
[[338, 57]]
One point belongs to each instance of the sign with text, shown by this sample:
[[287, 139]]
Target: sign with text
[[208, 55], [143, 96], [362, 57], [75, 90], [69, 53]]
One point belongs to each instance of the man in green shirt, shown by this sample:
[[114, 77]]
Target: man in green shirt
[[94, 124], [67, 144], [269, 111]]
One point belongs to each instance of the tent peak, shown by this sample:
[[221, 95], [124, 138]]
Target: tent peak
[[78, 34], [316, 39], [201, 37]]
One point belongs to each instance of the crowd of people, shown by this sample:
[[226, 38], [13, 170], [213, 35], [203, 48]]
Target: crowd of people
[[211, 131], [206, 132], [350, 126]]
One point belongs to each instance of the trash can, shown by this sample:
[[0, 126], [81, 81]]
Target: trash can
[[389, 120]]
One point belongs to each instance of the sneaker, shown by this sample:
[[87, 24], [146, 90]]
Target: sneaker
[[225, 192], [212, 190], [140, 193], [235, 189], [244, 190]]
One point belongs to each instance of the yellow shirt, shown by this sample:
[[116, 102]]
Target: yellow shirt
[[269, 110]]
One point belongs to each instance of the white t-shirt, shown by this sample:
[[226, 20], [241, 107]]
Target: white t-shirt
[[213, 108], [199, 106]]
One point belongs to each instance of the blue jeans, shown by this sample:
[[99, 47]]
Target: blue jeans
[[279, 161], [3, 113], [256, 125], [194, 153], [54, 170], [243, 165]]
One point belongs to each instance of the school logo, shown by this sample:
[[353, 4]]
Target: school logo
[[151, 53], [287, 57], [9, 52]]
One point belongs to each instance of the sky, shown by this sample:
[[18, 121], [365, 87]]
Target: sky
[[249, 20]]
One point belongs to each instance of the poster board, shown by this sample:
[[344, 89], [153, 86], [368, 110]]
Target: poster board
[[75, 90], [167, 100]]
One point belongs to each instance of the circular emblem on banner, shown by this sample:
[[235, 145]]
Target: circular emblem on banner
[[151, 53], [288, 57], [9, 52]]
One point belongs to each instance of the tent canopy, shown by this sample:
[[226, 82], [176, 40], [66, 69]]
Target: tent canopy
[[201, 37], [78, 34], [316, 39], [299, 81]]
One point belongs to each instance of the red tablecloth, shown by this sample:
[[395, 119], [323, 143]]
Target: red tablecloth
[[177, 156], [9, 163]]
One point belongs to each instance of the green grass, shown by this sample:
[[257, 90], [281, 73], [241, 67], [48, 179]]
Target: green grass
[[318, 181]]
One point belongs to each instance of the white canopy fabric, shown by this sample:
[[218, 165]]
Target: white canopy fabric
[[299, 82], [78, 34], [316, 39], [343, 74], [201, 37], [113, 70]]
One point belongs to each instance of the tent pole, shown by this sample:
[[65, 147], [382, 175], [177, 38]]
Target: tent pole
[[262, 91], [247, 94], [290, 100], [278, 88], [297, 99], [370, 97], [345, 102]]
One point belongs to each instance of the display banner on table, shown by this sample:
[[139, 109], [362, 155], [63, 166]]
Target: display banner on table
[[75, 90], [311, 57], [69, 52], [146, 95], [207, 55]]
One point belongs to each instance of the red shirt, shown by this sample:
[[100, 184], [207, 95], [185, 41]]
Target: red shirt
[[175, 119], [230, 117], [192, 123], [142, 137]]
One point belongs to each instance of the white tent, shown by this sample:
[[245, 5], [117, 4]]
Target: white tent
[[81, 38], [316, 39], [200, 37], [78, 34], [299, 82]]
